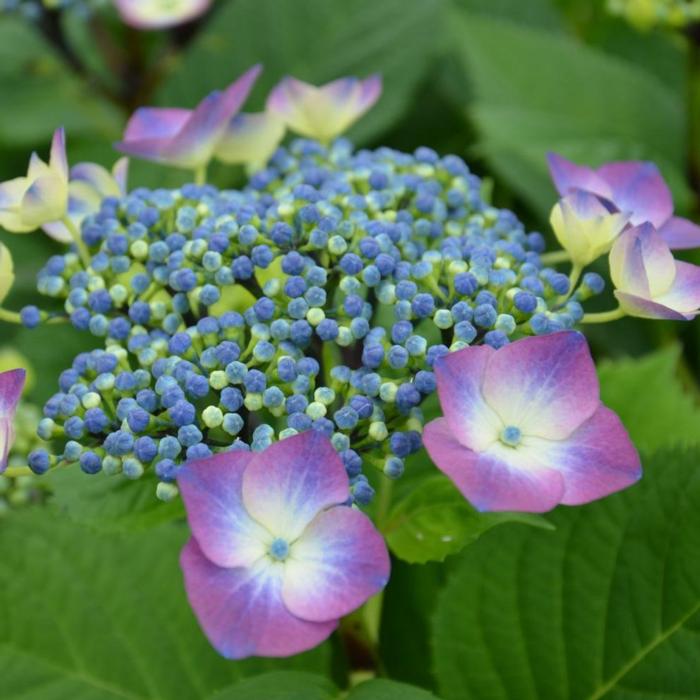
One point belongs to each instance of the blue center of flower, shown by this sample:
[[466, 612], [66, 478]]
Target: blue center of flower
[[279, 549], [511, 436]]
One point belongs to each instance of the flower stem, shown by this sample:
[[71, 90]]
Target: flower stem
[[200, 175], [12, 472], [555, 256], [603, 316], [10, 316], [574, 277], [77, 239]]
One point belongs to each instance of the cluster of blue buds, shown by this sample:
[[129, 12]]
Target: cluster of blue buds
[[317, 297]]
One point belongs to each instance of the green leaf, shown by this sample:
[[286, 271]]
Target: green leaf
[[382, 689], [98, 617], [434, 520], [651, 401], [110, 503], [564, 96], [281, 685], [607, 606], [317, 40], [538, 13], [44, 93], [410, 595]]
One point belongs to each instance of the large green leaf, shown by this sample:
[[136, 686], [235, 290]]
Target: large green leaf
[[647, 394], [44, 94], [110, 503], [607, 606], [97, 617], [537, 91], [315, 40], [280, 685], [382, 689], [434, 520], [410, 595], [537, 13]]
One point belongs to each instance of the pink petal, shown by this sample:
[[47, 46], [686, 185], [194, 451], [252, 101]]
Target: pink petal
[[335, 566], [642, 307], [459, 377], [11, 387], [97, 177], [627, 263], [120, 172], [58, 231], [147, 14], [568, 176], [487, 480], [45, 200], [241, 610], [7, 438], [639, 188], [680, 234], [659, 264], [286, 485], [684, 294], [596, 460], [211, 117], [58, 159], [251, 139], [544, 385], [211, 489], [148, 123], [12, 191]]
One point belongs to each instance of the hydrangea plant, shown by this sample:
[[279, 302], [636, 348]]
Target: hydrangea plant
[[272, 354]]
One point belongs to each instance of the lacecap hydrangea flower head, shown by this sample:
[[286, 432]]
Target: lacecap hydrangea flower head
[[268, 350]]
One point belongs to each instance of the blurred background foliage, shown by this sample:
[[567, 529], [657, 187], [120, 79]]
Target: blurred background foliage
[[499, 82]]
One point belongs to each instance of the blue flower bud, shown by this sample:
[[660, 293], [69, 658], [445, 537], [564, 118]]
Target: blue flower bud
[[30, 316], [90, 462]]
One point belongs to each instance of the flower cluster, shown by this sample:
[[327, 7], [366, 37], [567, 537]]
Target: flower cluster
[[260, 348], [320, 296], [625, 208]]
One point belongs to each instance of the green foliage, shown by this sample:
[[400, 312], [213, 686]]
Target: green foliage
[[410, 595], [608, 605], [537, 91], [110, 503], [280, 685], [651, 401], [381, 689], [100, 617], [44, 93], [317, 41], [434, 520]]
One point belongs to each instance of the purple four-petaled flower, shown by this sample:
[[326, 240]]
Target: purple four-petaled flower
[[524, 428], [276, 557], [633, 187]]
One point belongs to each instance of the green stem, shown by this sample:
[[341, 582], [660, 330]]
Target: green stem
[[555, 256], [77, 239], [10, 316], [604, 316], [574, 277], [200, 175]]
